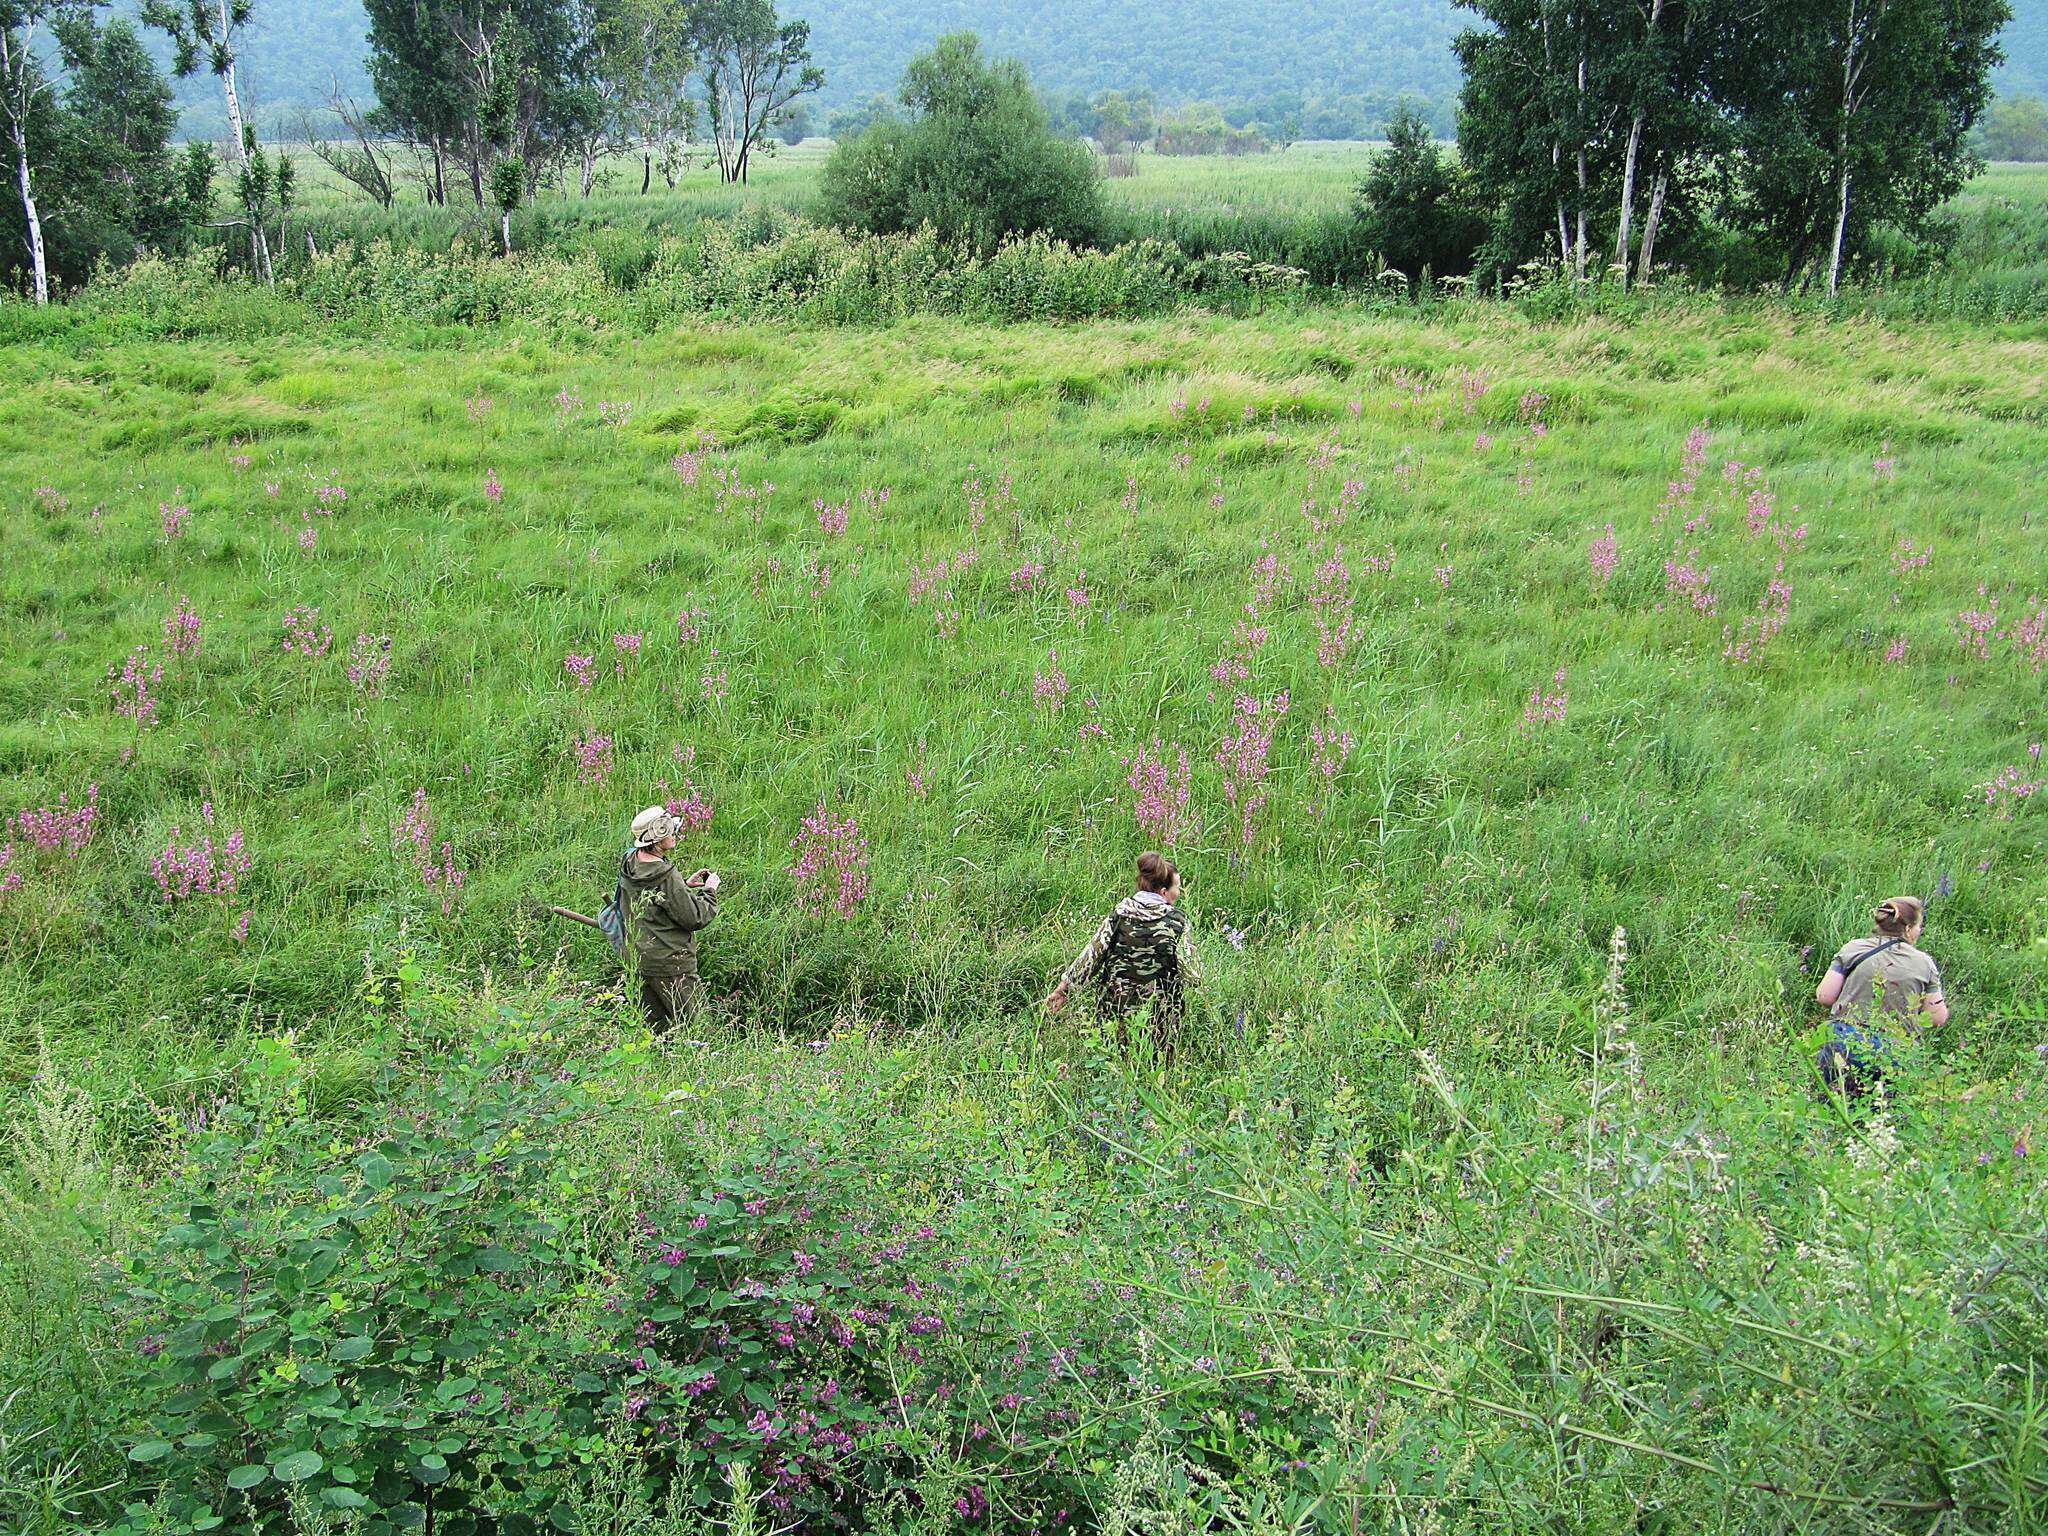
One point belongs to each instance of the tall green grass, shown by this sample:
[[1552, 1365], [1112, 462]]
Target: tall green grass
[[1482, 1288]]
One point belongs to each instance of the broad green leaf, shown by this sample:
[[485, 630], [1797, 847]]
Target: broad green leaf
[[248, 1476], [297, 1467]]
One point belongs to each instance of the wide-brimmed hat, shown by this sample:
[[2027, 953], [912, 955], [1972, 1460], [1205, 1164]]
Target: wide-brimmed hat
[[653, 825]]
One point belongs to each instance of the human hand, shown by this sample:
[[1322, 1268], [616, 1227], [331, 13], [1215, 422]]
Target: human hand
[[711, 880], [1056, 1000]]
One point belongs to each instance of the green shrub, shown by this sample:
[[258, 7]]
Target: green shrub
[[381, 1328], [978, 160]]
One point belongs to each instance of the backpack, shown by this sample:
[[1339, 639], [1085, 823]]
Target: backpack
[[1144, 956], [611, 919]]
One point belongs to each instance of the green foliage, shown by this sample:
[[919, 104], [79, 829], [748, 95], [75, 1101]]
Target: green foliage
[[1810, 141], [1416, 207], [2016, 128], [1425, 1222], [977, 161], [375, 1333], [106, 180]]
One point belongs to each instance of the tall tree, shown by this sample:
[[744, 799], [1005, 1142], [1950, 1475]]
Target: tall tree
[[1526, 120], [637, 58], [27, 113], [1415, 210], [754, 66], [208, 31], [122, 186], [474, 80], [978, 161], [1857, 113], [412, 71]]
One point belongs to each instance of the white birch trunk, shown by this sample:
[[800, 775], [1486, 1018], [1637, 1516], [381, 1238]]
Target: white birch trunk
[[1579, 251], [1841, 225], [38, 257], [1650, 222], [234, 97]]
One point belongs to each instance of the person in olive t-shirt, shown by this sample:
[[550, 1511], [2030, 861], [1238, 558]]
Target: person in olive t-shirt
[[1879, 986], [663, 912]]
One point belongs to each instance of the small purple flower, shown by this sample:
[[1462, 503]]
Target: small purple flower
[[699, 1221], [671, 1255], [149, 1344], [803, 1261]]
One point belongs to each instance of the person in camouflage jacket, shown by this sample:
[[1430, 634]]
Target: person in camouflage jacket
[[1140, 955]]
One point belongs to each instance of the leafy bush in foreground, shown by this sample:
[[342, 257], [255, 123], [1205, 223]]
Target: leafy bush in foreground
[[511, 1281]]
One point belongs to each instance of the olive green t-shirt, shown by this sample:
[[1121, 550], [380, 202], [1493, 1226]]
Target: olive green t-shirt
[[1893, 981]]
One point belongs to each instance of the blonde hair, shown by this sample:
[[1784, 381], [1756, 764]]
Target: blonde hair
[[1899, 916]]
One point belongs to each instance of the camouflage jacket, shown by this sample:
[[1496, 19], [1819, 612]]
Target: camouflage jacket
[[1141, 949]]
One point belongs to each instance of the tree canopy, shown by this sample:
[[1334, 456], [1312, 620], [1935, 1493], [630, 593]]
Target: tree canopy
[[976, 159]]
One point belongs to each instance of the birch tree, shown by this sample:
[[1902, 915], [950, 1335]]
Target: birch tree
[[209, 32], [753, 67], [24, 99]]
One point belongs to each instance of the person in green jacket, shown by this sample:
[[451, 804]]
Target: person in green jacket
[[664, 911]]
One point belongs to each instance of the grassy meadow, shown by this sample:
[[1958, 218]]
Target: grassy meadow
[[1438, 647]]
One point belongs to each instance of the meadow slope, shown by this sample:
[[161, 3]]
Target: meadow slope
[[1482, 637]]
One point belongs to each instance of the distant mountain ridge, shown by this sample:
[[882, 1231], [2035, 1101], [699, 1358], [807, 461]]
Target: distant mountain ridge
[[1264, 51]]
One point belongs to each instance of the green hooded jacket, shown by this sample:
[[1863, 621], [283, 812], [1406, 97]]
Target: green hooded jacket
[[663, 915]]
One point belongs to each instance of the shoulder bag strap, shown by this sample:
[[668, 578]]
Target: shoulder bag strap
[[1875, 949]]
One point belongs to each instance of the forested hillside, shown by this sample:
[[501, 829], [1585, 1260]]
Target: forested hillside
[[1280, 56]]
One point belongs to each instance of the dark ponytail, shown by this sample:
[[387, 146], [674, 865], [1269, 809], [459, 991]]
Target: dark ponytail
[[1156, 872]]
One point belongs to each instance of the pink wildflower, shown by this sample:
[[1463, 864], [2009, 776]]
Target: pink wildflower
[[369, 664], [582, 666], [1244, 757], [183, 870], [171, 520], [494, 491], [1049, 687], [437, 871], [1601, 556], [1159, 793], [831, 864], [304, 634], [134, 686], [181, 630], [61, 828], [1333, 748], [1546, 708], [1975, 627], [593, 758]]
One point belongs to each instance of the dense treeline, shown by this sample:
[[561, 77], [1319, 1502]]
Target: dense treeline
[[1335, 71], [1604, 137], [1803, 132]]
